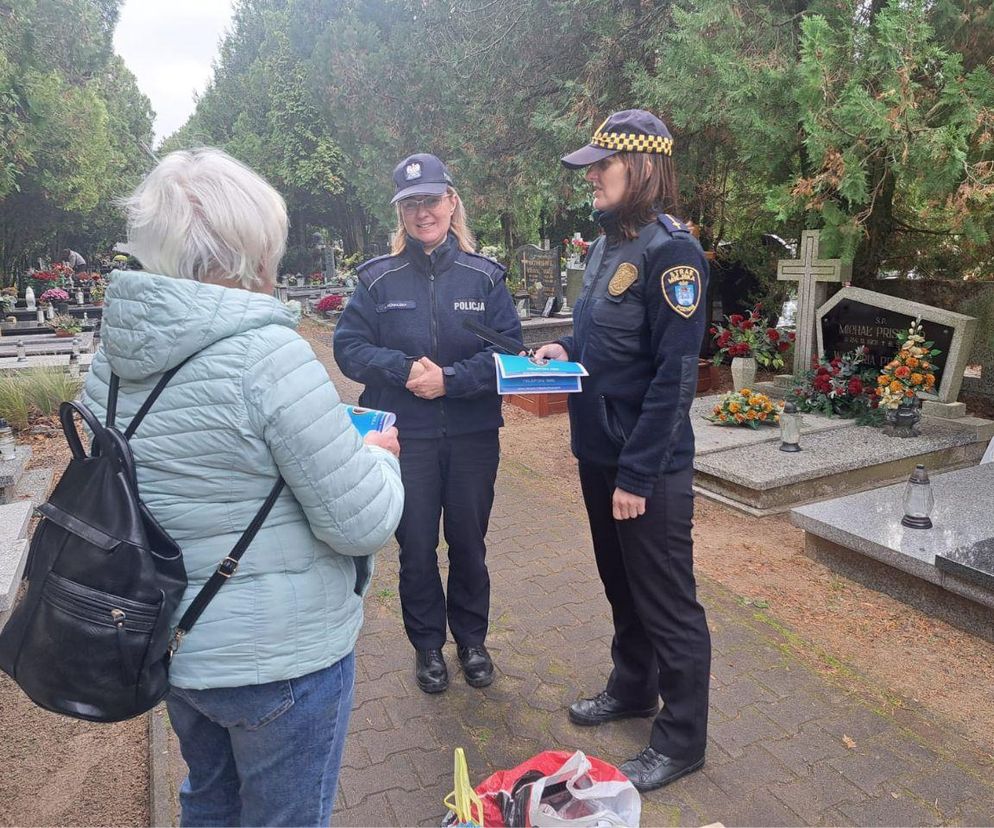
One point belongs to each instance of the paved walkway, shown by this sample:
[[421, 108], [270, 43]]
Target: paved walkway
[[786, 746]]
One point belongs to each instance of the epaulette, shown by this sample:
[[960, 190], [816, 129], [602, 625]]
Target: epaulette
[[487, 259], [673, 225], [369, 262]]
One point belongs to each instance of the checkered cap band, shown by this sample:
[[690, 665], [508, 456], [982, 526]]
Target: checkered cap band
[[632, 142]]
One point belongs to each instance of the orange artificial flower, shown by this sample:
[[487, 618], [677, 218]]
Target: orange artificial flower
[[895, 386], [917, 379], [883, 379], [902, 371]]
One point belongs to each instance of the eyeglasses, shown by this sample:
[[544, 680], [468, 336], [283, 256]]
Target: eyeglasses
[[412, 205]]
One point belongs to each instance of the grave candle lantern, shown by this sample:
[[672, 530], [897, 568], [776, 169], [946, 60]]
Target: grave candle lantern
[[50, 311], [40, 316], [79, 296], [22, 351], [918, 500], [790, 428], [8, 446]]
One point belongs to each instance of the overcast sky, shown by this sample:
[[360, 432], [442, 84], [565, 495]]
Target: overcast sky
[[169, 45]]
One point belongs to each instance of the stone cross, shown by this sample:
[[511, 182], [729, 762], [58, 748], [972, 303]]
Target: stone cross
[[812, 275]]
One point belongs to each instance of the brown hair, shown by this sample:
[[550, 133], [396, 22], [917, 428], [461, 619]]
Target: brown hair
[[651, 188], [458, 227]]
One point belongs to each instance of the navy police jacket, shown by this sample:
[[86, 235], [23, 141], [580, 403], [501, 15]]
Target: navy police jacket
[[637, 328], [413, 305]]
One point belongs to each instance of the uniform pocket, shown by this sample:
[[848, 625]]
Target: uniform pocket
[[623, 312]]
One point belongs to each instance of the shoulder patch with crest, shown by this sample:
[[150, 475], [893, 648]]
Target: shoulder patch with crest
[[624, 277], [682, 289]]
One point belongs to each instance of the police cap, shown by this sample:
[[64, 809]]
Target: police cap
[[420, 174], [631, 130]]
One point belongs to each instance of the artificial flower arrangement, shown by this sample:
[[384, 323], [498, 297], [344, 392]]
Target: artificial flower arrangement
[[912, 369], [54, 296], [65, 325], [8, 299], [746, 408], [575, 248], [331, 302], [316, 278], [839, 387], [749, 336], [97, 290]]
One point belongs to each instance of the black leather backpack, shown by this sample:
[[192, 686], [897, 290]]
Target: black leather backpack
[[90, 637]]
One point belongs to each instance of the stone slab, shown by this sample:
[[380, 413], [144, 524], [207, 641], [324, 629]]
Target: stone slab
[[11, 471], [33, 486], [948, 411], [710, 438], [10, 365], [870, 523], [763, 480], [13, 557], [14, 520], [44, 344], [973, 563], [538, 331]]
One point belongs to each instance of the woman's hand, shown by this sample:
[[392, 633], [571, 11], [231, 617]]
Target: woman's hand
[[626, 505], [551, 351], [417, 369], [384, 439], [430, 383]]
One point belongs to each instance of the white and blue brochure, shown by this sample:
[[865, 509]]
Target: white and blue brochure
[[522, 375]]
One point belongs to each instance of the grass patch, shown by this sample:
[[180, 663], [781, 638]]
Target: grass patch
[[27, 395]]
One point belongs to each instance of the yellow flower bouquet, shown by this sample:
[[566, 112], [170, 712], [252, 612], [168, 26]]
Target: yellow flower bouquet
[[745, 408]]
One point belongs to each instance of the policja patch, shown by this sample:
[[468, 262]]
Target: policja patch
[[624, 277], [682, 289]]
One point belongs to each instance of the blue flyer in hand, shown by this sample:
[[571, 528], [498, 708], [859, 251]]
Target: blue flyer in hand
[[524, 375], [369, 419]]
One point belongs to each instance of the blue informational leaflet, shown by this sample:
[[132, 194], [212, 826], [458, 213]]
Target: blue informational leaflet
[[369, 419], [521, 375]]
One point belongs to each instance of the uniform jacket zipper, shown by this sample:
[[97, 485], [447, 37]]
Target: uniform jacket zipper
[[434, 336]]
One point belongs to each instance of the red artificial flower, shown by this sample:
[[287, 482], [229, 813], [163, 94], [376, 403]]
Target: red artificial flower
[[783, 346], [822, 383], [736, 319], [712, 330], [855, 386], [773, 334], [791, 336], [747, 325], [822, 371], [724, 338]]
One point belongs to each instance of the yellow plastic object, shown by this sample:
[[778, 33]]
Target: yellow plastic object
[[463, 801]]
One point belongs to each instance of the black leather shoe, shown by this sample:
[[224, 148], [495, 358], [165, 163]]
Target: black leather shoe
[[477, 666], [605, 708], [650, 769], [430, 671]]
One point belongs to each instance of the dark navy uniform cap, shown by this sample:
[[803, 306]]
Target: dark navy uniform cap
[[631, 130], [420, 174]]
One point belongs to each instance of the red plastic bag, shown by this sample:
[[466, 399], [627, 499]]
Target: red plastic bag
[[559, 788]]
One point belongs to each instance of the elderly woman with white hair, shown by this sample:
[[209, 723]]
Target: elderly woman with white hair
[[262, 686]]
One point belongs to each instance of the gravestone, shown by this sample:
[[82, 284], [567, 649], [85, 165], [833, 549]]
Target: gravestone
[[855, 317], [813, 276], [542, 276]]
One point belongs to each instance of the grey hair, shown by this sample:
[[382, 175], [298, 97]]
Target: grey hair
[[200, 214]]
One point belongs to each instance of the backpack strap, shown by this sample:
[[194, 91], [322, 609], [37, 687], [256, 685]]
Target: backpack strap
[[115, 384], [225, 570]]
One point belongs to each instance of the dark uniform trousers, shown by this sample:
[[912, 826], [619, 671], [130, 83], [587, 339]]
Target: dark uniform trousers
[[662, 645], [451, 477]]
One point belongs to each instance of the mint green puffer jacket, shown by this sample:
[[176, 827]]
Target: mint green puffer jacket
[[252, 403]]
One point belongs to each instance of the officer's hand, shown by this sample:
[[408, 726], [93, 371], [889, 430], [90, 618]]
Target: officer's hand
[[385, 440], [430, 384], [551, 351], [417, 369], [626, 505]]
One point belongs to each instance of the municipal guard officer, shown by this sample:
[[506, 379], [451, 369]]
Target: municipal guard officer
[[637, 327], [402, 335]]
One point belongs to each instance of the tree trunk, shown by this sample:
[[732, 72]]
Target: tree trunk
[[878, 227]]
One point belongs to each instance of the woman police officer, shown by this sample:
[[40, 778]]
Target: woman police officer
[[402, 336], [638, 326]]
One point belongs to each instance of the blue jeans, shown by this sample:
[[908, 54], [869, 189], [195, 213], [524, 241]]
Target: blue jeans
[[264, 754]]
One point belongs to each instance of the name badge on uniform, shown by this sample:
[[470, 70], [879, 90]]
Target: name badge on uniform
[[682, 289], [624, 277]]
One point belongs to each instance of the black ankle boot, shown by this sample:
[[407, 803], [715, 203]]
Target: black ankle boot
[[430, 671], [477, 666]]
